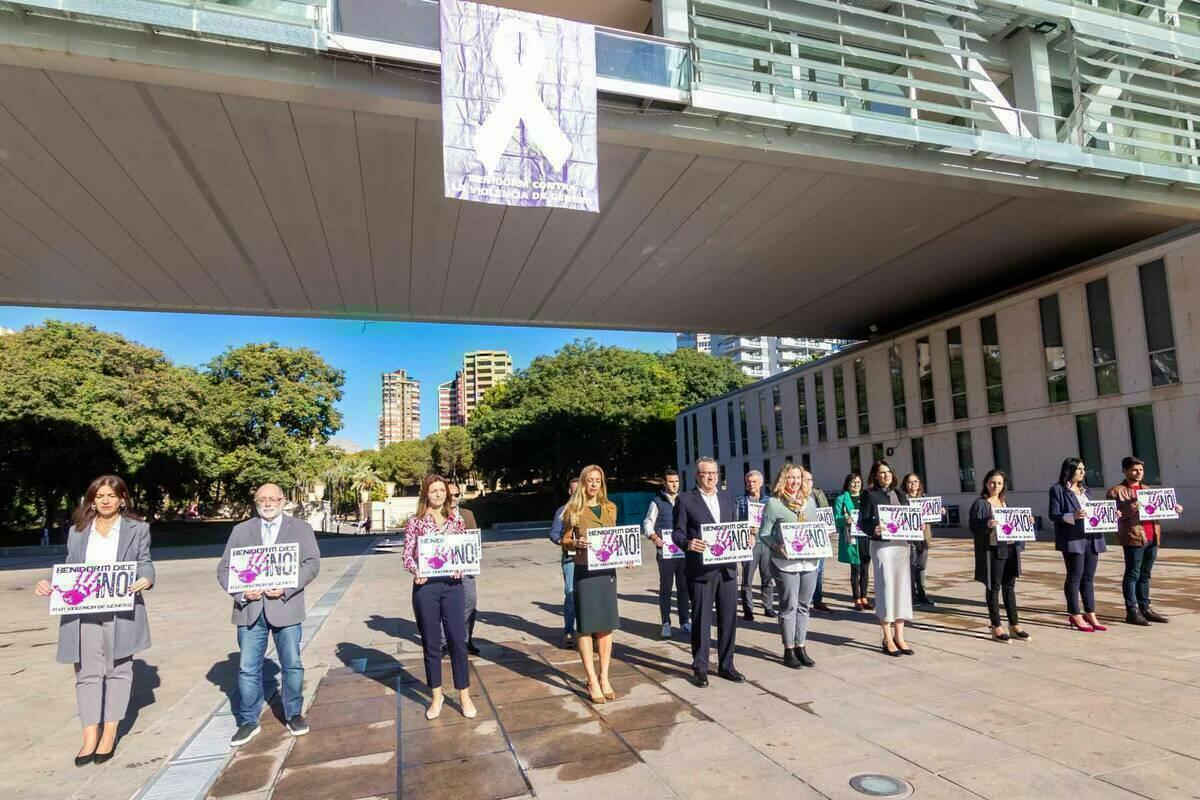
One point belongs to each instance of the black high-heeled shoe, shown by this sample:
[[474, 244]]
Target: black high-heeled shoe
[[883, 647], [100, 758], [83, 761]]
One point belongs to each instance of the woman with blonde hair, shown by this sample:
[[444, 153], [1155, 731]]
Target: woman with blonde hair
[[796, 578], [439, 603], [595, 590]]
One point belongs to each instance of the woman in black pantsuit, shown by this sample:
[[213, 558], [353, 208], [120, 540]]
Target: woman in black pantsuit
[[997, 565]]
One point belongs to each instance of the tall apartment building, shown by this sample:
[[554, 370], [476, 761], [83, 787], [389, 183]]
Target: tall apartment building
[[761, 356], [450, 403], [401, 417], [482, 369]]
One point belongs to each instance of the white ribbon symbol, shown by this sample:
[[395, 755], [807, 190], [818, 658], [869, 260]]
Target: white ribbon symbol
[[521, 103]]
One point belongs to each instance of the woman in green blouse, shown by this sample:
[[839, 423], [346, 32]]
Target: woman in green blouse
[[852, 550]]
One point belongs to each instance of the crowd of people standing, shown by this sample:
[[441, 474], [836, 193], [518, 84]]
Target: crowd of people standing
[[106, 529]]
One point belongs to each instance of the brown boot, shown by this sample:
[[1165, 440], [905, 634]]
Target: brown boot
[[1153, 616]]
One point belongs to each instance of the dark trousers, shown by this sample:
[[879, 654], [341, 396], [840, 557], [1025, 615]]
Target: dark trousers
[[1135, 585], [860, 576], [470, 602], [920, 559], [719, 588], [440, 603], [1002, 578], [1081, 574], [672, 571]]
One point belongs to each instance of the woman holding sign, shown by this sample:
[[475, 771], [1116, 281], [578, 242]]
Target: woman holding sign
[[101, 644], [997, 564], [439, 603], [853, 550], [796, 578], [1080, 548], [889, 557], [595, 591]]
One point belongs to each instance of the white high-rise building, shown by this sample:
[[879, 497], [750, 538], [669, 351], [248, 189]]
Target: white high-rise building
[[760, 356]]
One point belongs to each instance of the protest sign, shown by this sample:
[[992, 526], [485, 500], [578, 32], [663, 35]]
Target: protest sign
[[92, 588], [728, 542], [901, 523], [1155, 504], [1100, 516], [931, 507], [609, 548], [264, 567], [1014, 524], [447, 554], [669, 548], [754, 511], [806, 540]]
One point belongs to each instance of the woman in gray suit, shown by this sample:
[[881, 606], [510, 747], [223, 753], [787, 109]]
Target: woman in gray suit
[[101, 645]]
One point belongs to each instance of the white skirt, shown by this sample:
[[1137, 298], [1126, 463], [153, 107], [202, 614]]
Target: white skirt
[[893, 580]]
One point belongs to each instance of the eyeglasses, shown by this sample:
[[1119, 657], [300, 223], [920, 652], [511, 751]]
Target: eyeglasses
[[455, 496]]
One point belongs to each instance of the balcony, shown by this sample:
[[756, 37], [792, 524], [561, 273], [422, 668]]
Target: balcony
[[735, 344], [285, 23], [408, 30]]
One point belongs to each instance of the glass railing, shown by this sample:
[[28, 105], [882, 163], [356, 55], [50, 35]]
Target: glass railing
[[292, 23], [620, 55]]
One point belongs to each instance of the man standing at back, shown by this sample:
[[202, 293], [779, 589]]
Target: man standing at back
[[568, 572], [470, 590], [658, 526], [756, 494], [708, 583], [259, 615]]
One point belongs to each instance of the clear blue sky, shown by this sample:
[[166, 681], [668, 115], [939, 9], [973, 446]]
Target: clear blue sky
[[431, 353]]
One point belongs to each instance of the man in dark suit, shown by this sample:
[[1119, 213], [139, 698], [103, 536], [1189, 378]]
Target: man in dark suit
[[708, 583]]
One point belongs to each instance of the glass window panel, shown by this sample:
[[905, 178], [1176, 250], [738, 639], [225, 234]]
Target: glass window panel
[[777, 399], [958, 375], [860, 395], [762, 421], [839, 401], [819, 387], [732, 430], [696, 435], [802, 403], [855, 460], [877, 451], [1087, 432], [1052, 347], [745, 432], [716, 448], [918, 458], [1144, 440], [1156, 310], [991, 364], [1000, 453], [897, 373], [966, 462], [1104, 347], [925, 381]]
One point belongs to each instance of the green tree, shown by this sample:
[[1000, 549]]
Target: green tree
[[273, 408], [451, 452], [76, 402], [404, 463], [703, 376]]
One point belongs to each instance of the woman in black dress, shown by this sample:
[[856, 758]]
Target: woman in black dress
[[595, 591]]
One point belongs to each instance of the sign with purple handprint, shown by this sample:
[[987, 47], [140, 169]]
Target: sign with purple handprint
[[669, 548], [902, 523], [754, 513], [1014, 524], [931, 507], [92, 588], [449, 554], [609, 548], [806, 540], [1154, 504], [728, 542], [265, 567], [1100, 516]]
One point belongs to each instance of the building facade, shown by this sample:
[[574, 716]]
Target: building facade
[[1101, 362], [482, 369], [450, 403], [400, 419], [760, 356]]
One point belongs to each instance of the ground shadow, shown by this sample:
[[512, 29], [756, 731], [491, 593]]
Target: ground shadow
[[224, 675], [145, 681]]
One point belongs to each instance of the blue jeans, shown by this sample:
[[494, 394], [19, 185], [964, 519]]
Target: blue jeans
[[568, 568], [252, 641], [1135, 584]]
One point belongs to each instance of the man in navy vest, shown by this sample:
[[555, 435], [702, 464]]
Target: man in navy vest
[[708, 583], [658, 527]]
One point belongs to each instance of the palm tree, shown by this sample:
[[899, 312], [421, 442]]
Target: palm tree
[[365, 480]]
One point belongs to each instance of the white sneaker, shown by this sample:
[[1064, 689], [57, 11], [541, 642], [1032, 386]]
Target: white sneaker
[[666, 631], [687, 628]]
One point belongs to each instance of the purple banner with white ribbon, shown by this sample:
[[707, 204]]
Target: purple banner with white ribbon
[[518, 108]]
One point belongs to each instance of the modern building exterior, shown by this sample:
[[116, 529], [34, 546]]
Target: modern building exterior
[[400, 419], [482, 369], [1101, 361], [760, 356], [450, 403]]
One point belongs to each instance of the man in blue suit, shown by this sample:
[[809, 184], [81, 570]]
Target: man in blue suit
[[708, 583]]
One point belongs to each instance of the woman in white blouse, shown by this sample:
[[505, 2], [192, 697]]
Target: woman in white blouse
[[101, 645]]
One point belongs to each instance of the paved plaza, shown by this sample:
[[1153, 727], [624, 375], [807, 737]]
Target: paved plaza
[[1081, 716]]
